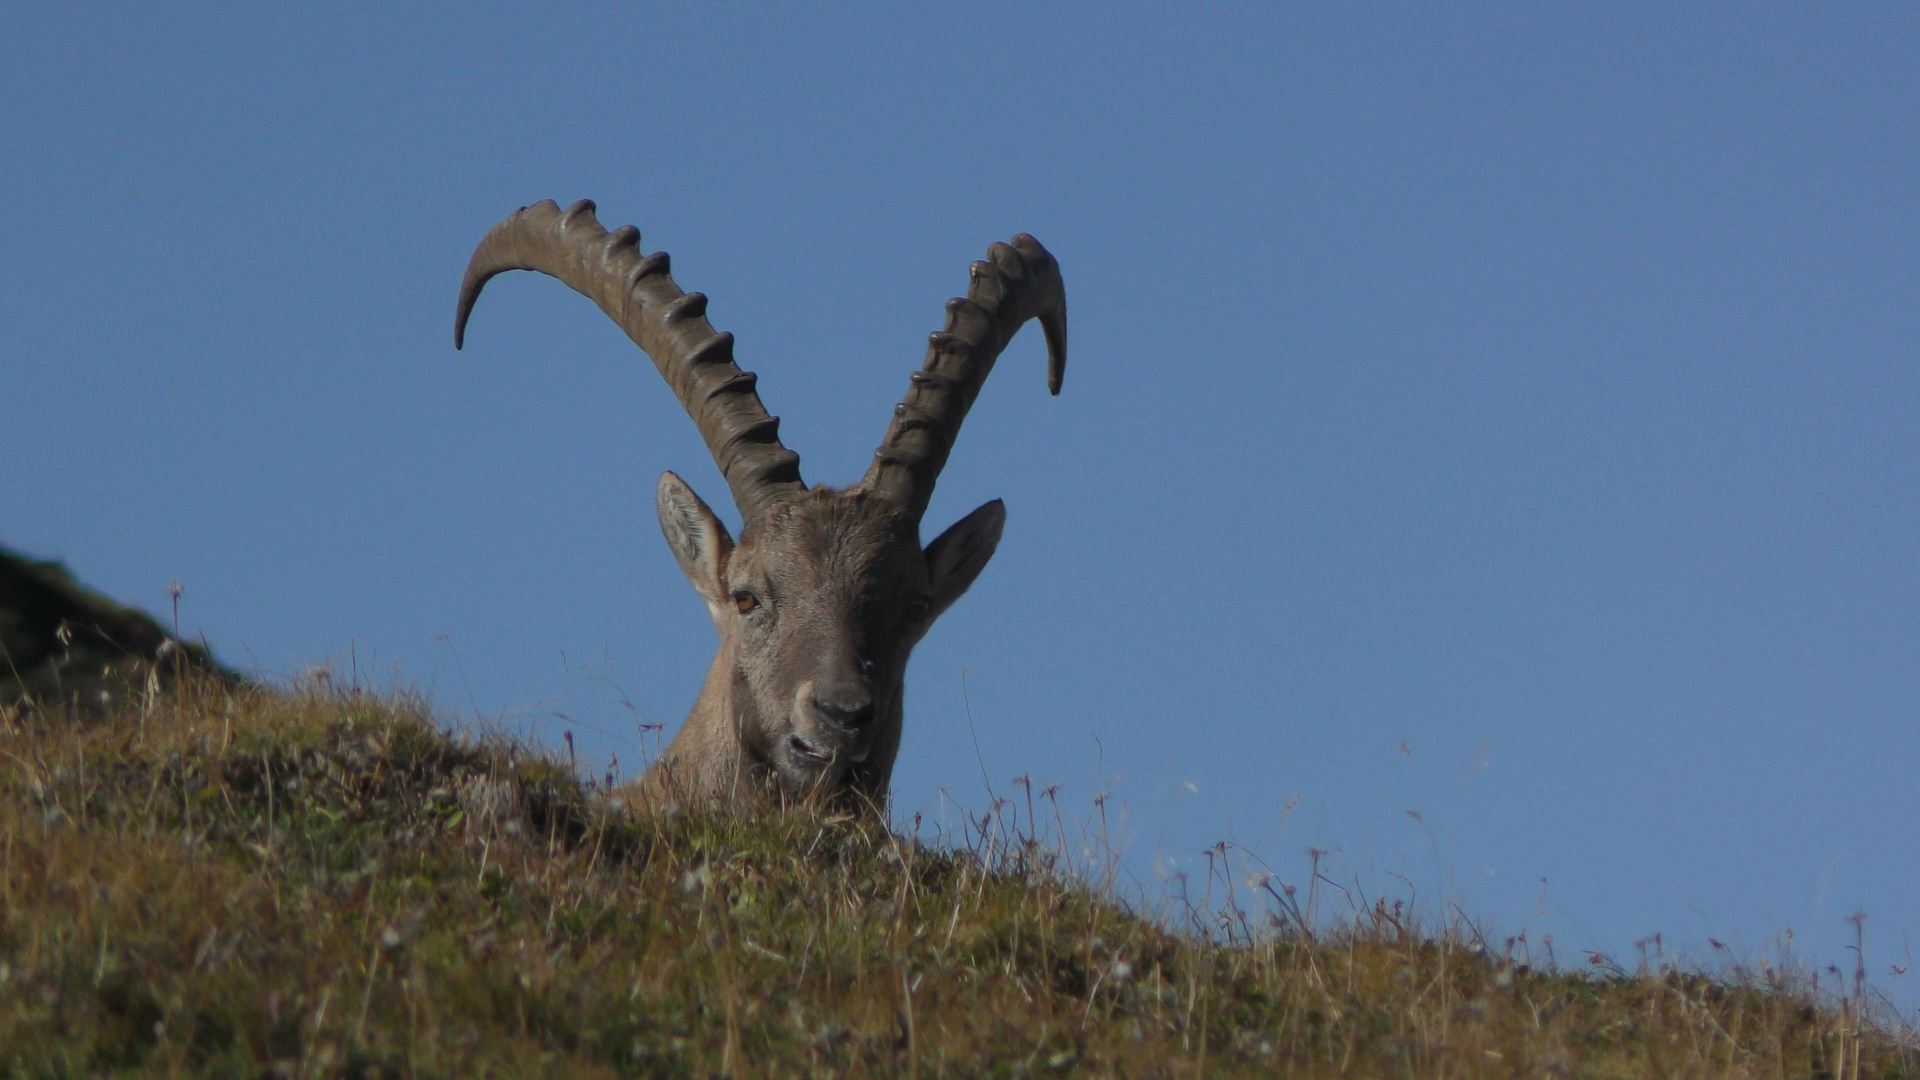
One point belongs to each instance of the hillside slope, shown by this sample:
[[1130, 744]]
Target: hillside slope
[[230, 882], [64, 646]]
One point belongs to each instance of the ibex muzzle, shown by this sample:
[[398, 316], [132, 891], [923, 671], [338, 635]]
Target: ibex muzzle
[[826, 592]]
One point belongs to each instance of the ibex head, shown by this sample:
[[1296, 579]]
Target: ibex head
[[822, 598]]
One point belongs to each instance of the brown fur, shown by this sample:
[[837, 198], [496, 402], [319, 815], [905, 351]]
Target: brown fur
[[843, 591]]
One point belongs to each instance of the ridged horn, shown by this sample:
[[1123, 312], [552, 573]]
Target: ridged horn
[[1015, 282], [671, 327]]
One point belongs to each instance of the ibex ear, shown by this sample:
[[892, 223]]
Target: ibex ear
[[697, 538], [958, 555]]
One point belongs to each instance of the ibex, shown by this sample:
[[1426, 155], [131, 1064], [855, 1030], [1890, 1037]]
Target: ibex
[[826, 592]]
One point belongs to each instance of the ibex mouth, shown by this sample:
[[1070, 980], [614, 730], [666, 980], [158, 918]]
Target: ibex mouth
[[811, 752], [807, 750]]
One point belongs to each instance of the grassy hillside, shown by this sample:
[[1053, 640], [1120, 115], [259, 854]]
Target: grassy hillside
[[234, 883]]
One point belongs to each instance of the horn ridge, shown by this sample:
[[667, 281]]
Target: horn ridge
[[1017, 281], [639, 295]]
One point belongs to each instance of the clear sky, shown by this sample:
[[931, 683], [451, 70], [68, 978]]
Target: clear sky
[[1501, 413]]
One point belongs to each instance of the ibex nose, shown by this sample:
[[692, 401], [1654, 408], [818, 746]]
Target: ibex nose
[[850, 708]]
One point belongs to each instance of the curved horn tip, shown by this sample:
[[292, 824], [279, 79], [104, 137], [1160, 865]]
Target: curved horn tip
[[469, 292], [1054, 325]]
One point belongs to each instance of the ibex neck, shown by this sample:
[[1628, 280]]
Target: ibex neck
[[713, 760]]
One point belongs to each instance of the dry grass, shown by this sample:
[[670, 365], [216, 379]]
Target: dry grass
[[321, 883]]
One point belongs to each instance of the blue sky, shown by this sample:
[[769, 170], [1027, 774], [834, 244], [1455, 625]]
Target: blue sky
[[1498, 413]]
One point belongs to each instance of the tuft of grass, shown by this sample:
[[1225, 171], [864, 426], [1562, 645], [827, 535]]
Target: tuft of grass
[[224, 881]]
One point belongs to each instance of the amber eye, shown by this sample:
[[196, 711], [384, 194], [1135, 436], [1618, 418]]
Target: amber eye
[[745, 601]]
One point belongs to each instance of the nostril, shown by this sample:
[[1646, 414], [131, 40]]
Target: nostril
[[848, 714]]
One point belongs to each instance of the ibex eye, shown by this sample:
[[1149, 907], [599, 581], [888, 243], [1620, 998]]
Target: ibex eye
[[745, 601]]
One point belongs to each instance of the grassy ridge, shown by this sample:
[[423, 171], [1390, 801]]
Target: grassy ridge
[[230, 882]]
